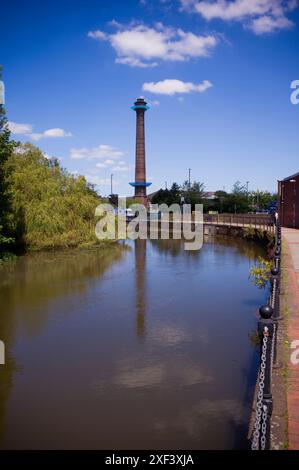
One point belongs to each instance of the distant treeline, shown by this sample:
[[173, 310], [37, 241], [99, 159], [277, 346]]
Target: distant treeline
[[239, 200]]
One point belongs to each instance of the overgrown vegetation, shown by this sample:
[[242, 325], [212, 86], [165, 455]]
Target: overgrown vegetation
[[258, 234], [49, 207], [260, 273]]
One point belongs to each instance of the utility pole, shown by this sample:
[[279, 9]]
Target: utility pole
[[189, 178], [165, 184], [247, 183], [111, 179]]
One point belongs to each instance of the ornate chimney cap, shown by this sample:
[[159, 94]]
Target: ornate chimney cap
[[140, 100], [140, 103]]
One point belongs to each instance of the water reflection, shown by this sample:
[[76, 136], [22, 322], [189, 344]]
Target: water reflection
[[249, 249], [29, 286], [140, 280], [140, 348]]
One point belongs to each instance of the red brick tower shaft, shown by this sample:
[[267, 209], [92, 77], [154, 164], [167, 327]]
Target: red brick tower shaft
[[140, 172], [140, 183]]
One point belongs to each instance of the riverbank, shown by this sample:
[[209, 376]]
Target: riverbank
[[10, 257], [261, 236], [60, 242]]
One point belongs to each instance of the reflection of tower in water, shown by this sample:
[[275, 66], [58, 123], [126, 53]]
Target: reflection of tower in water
[[140, 262]]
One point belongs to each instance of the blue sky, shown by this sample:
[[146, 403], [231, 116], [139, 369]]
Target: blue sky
[[217, 74]]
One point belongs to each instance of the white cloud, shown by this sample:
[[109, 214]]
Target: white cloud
[[50, 133], [173, 86], [17, 128], [142, 46], [102, 151], [134, 62], [56, 132], [269, 24], [120, 168], [26, 129], [94, 179], [97, 35], [261, 16], [106, 164]]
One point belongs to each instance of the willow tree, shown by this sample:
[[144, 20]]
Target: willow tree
[[51, 208]]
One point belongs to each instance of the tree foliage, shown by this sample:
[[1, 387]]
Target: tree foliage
[[50, 207], [189, 194], [6, 149], [239, 200]]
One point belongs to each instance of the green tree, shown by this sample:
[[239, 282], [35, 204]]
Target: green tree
[[222, 201], [175, 193], [238, 200], [260, 200], [194, 193], [6, 149], [167, 196], [51, 208]]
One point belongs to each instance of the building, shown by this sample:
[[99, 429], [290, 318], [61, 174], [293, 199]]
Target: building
[[209, 195], [288, 201], [140, 184]]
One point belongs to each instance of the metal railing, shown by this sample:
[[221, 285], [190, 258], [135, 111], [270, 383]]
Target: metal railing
[[241, 220], [267, 331]]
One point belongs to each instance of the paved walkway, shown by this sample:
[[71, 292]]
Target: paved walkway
[[291, 264]]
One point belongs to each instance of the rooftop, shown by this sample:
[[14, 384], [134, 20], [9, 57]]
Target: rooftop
[[290, 177]]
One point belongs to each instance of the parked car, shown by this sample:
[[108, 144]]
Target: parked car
[[127, 212]]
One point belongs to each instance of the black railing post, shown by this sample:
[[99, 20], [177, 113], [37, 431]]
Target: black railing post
[[275, 282], [265, 330], [276, 261], [275, 303]]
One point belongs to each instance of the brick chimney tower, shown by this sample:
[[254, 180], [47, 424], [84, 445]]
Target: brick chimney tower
[[140, 184]]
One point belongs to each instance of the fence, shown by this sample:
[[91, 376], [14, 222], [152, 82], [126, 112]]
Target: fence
[[267, 330], [264, 221]]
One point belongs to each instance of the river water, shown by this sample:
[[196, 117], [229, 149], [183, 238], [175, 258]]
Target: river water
[[145, 346]]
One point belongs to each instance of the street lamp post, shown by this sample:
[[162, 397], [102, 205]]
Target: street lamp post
[[182, 202], [111, 183]]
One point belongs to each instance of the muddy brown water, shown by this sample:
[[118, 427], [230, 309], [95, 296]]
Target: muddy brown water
[[143, 347]]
